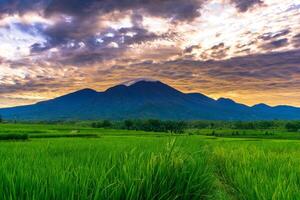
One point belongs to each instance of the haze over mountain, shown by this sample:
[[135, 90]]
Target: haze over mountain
[[145, 99]]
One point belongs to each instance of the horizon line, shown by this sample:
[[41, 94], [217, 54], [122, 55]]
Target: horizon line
[[134, 81]]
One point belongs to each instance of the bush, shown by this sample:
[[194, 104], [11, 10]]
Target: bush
[[106, 124], [128, 124], [253, 125], [293, 126], [14, 137], [244, 125], [102, 124], [154, 125]]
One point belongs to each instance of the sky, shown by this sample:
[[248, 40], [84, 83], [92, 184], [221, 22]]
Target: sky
[[246, 50]]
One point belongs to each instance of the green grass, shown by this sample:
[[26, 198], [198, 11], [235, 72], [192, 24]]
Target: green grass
[[259, 170], [59, 162], [72, 135], [42, 129], [103, 169], [233, 133]]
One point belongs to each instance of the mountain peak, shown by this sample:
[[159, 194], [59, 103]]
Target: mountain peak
[[116, 88], [261, 106], [85, 91], [145, 83], [144, 98], [226, 100], [134, 81], [145, 88]]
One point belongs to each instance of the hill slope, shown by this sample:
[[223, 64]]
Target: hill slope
[[145, 99]]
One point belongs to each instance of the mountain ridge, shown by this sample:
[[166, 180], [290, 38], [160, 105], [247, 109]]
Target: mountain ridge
[[145, 99]]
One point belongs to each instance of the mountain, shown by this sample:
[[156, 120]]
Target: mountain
[[145, 99]]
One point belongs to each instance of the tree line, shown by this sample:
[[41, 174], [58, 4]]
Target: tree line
[[247, 125], [293, 126], [170, 126], [153, 125]]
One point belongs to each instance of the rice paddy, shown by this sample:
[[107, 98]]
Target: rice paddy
[[120, 164]]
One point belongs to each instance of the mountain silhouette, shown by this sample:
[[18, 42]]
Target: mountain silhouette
[[145, 99]]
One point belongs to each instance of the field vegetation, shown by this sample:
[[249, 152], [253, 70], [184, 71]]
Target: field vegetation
[[207, 160]]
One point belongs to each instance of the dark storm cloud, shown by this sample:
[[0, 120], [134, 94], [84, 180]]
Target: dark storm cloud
[[244, 5], [296, 40], [218, 51], [20, 6], [245, 46], [84, 16], [87, 47], [144, 63], [266, 60], [28, 84], [270, 36], [218, 46], [191, 48], [68, 34], [96, 48], [260, 72], [37, 47], [141, 35], [61, 33], [176, 9], [275, 44], [42, 81], [88, 57], [280, 65]]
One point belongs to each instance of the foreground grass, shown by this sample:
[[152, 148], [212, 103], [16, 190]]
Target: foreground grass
[[260, 170], [144, 166], [103, 169]]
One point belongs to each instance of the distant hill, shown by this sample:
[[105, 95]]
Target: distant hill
[[145, 99]]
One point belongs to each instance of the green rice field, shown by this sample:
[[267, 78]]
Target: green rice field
[[65, 162]]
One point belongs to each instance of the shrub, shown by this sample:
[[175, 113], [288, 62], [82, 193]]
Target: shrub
[[14, 137], [102, 124], [266, 133], [293, 126], [213, 132], [154, 125], [128, 124]]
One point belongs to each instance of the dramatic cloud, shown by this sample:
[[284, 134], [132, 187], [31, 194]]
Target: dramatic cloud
[[242, 49], [275, 44], [296, 40], [269, 36], [19, 6], [244, 5], [175, 9]]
